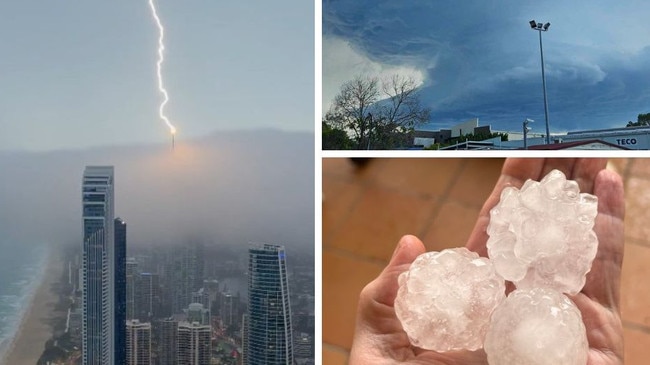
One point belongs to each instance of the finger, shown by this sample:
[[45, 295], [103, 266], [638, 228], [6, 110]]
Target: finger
[[375, 311], [603, 281], [582, 170], [514, 172], [378, 331], [383, 289]]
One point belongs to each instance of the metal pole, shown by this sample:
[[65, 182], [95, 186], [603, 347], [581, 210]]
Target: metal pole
[[541, 51], [525, 134]]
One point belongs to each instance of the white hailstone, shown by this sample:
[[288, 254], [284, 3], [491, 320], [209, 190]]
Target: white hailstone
[[542, 234], [536, 327], [445, 299]]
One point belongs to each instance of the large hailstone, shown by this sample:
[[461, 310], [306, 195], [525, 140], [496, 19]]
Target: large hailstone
[[445, 299], [536, 327], [541, 235]]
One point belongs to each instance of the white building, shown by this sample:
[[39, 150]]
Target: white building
[[138, 343], [193, 343]]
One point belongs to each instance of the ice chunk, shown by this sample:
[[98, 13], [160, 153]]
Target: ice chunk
[[536, 327], [445, 299], [541, 235]]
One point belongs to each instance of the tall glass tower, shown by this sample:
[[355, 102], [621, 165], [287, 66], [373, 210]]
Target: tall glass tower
[[120, 291], [269, 339], [98, 287]]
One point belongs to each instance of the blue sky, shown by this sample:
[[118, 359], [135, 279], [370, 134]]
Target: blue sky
[[77, 74], [481, 59]]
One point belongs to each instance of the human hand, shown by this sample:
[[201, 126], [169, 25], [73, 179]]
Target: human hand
[[380, 339]]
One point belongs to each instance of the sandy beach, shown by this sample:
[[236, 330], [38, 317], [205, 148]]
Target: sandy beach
[[36, 328]]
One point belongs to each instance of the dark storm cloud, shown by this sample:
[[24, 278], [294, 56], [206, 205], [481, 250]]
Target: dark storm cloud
[[230, 188], [481, 59]]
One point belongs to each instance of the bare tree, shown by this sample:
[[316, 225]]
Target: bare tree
[[378, 115], [403, 107], [351, 108]]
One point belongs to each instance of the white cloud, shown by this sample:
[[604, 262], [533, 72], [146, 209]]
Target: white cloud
[[341, 63]]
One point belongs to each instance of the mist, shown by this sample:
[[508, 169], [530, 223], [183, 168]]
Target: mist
[[229, 188]]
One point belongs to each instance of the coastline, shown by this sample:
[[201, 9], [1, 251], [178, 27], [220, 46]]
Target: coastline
[[36, 327]]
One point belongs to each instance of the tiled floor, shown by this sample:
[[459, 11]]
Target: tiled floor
[[367, 208]]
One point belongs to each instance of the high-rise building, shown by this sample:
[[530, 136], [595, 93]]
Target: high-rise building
[[147, 296], [98, 275], [304, 346], [120, 291], [244, 339], [131, 277], [138, 343], [183, 268], [194, 345], [202, 296], [168, 341], [269, 336], [229, 308]]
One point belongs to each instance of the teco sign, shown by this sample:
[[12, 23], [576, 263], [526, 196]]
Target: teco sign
[[626, 141]]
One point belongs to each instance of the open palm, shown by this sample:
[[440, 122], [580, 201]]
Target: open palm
[[380, 339]]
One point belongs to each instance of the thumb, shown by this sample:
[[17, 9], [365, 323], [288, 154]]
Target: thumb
[[383, 290]]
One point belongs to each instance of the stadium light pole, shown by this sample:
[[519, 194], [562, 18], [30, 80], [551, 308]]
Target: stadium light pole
[[542, 28]]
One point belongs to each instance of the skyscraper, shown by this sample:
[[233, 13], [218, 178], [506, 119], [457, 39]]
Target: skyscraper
[[131, 281], [194, 344], [229, 308], [120, 291], [269, 338], [167, 346], [104, 271], [147, 296], [98, 287], [185, 270], [138, 343]]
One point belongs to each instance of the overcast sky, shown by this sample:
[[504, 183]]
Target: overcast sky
[[82, 73], [213, 188], [481, 59]]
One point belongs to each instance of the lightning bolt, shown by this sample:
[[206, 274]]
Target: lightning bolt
[[161, 58]]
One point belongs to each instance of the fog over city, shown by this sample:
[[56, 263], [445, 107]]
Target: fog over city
[[227, 188]]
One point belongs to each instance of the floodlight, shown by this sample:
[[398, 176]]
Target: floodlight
[[533, 24]]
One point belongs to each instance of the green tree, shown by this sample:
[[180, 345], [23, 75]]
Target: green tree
[[335, 138], [641, 120]]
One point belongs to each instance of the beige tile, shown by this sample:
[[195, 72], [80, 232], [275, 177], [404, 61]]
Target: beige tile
[[343, 279], [635, 289], [379, 220], [637, 206], [451, 227], [342, 167], [334, 357], [358, 169], [639, 167], [419, 175], [637, 343], [476, 181], [338, 199]]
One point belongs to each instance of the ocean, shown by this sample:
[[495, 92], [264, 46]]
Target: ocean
[[22, 267]]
